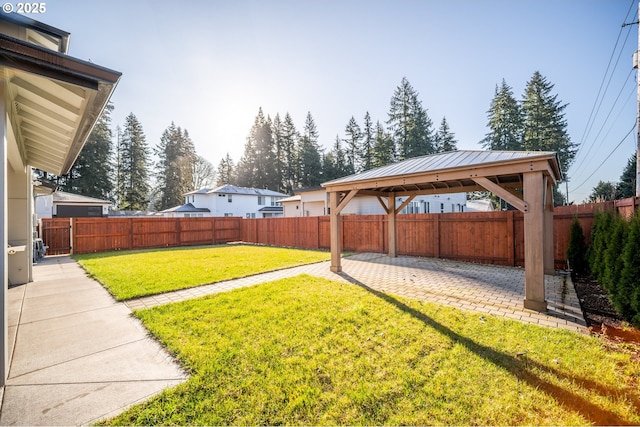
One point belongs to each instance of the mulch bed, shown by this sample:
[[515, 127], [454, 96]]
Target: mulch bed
[[600, 315]]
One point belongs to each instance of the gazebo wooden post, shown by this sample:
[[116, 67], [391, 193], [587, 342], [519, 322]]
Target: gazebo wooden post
[[391, 215], [534, 241], [336, 241], [549, 267]]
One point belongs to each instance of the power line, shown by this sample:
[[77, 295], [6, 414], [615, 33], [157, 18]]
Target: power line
[[594, 112], [582, 160], [606, 158]]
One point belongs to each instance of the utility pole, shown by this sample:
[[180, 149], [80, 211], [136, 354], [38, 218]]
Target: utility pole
[[636, 58], [638, 119]]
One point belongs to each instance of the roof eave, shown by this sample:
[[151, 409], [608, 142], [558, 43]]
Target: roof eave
[[19, 55]]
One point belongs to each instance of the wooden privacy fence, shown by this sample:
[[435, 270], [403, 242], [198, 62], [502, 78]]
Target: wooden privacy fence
[[88, 235], [485, 237]]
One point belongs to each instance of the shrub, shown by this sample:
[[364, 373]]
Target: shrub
[[599, 236], [577, 249], [629, 286], [613, 266]]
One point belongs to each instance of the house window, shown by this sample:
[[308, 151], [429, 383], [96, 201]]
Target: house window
[[228, 214], [261, 200], [229, 198]]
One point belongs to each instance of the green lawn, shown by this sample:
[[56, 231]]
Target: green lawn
[[306, 350], [131, 274]]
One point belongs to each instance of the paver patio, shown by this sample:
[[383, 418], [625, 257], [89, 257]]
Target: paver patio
[[488, 289]]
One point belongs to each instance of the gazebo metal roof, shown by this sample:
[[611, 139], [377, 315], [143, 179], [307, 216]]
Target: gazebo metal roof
[[450, 172]]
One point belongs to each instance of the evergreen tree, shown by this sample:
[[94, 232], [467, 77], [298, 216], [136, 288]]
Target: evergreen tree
[[505, 121], [627, 185], [256, 165], [603, 192], [334, 163], [630, 275], [310, 160], [368, 143], [409, 123], [289, 150], [445, 140], [174, 169], [133, 192], [92, 173], [276, 131], [226, 171], [383, 149], [352, 141], [545, 128], [613, 265]]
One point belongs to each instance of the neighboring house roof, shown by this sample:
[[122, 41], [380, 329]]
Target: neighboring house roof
[[271, 209], [187, 207], [64, 197], [291, 199], [232, 189], [306, 189]]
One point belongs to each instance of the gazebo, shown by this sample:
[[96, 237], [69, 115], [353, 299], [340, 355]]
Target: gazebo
[[524, 179]]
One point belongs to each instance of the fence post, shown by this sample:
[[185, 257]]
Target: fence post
[[511, 243], [131, 233], [71, 235], [436, 236], [178, 232]]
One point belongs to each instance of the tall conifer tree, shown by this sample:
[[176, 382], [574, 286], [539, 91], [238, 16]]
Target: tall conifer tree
[[445, 140], [92, 174], [545, 127], [226, 171], [505, 121], [310, 173], [409, 123], [290, 138], [383, 149], [174, 168], [352, 145], [133, 192], [368, 143]]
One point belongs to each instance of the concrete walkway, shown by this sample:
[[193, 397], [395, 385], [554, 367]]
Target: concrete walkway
[[78, 356]]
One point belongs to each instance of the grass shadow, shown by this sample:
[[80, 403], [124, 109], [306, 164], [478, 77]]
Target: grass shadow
[[521, 368]]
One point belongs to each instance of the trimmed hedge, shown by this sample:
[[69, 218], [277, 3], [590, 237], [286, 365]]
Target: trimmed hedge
[[614, 260]]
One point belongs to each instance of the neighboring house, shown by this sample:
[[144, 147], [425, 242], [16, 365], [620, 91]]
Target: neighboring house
[[229, 200], [315, 202], [50, 102], [186, 211], [67, 205]]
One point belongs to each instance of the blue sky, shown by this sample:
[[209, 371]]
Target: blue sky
[[209, 65]]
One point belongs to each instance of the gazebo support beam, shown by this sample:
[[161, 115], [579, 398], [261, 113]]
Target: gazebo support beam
[[534, 241], [391, 215], [549, 267], [502, 193], [336, 241]]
